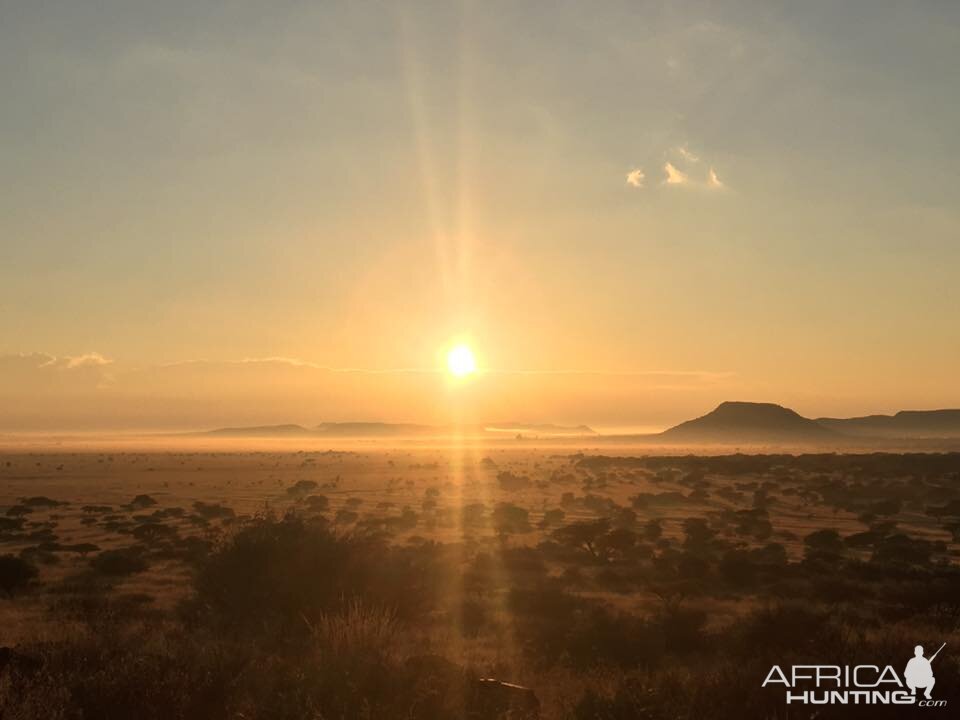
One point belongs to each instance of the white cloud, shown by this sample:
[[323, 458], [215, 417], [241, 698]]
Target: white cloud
[[682, 167], [635, 178], [713, 181], [675, 176]]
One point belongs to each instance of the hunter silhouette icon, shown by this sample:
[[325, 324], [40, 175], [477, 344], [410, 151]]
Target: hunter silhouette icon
[[919, 674]]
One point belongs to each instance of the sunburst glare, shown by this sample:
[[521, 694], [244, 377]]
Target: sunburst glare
[[461, 361]]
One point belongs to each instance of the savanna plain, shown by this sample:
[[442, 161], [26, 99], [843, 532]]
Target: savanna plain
[[391, 579]]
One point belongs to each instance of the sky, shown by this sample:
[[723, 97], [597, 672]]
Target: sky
[[215, 213]]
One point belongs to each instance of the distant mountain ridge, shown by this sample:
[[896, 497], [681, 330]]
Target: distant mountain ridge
[[383, 429], [545, 428], [752, 422], [329, 429], [731, 422], [737, 421], [906, 423], [259, 431], [372, 429]]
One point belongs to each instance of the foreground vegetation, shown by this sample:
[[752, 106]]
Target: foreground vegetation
[[607, 615]]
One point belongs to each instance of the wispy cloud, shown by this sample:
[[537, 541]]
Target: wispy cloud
[[635, 178], [675, 176], [713, 181], [280, 360], [43, 392], [683, 168], [699, 376], [41, 374], [684, 152], [86, 360]]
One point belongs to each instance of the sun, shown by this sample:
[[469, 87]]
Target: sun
[[461, 362]]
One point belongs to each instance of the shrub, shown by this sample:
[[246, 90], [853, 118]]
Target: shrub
[[653, 530], [823, 546], [902, 550], [345, 517], [552, 517], [317, 502], [510, 482], [41, 501], [472, 514], [302, 487], [153, 532], [142, 501], [15, 574], [7, 523], [510, 518], [119, 562], [273, 574], [211, 511]]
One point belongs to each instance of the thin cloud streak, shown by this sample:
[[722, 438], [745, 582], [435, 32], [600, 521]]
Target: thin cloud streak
[[96, 360], [42, 392]]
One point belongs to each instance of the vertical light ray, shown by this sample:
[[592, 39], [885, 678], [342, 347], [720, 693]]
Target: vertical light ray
[[416, 107], [453, 231], [465, 142]]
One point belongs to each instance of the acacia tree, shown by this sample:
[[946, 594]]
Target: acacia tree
[[823, 546], [619, 542], [698, 534], [509, 518], [585, 534]]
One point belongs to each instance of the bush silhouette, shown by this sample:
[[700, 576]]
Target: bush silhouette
[[510, 518], [824, 545], [211, 511], [119, 562], [302, 487], [586, 535], [274, 574], [552, 517], [142, 501], [15, 574]]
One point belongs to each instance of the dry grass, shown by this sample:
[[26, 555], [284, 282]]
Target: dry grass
[[358, 628]]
